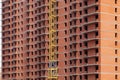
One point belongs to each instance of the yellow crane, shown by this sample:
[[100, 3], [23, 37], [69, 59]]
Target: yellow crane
[[52, 70]]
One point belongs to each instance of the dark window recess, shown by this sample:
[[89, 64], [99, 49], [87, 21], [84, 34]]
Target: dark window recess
[[97, 59], [65, 9], [115, 34], [116, 1], [65, 24], [80, 52], [65, 1], [96, 42], [86, 69], [115, 43], [80, 61], [80, 20], [65, 16], [97, 76], [80, 12], [80, 28], [96, 67], [80, 77], [116, 60], [86, 60], [96, 8], [96, 17], [115, 26], [65, 78], [86, 20], [86, 11], [80, 44], [115, 9], [86, 36], [65, 39], [116, 76], [116, 68], [85, 3], [80, 36], [96, 33], [86, 44], [115, 51], [80, 69], [96, 25], [96, 50], [86, 53], [96, 0], [116, 18], [80, 4], [65, 32], [86, 28], [65, 47], [86, 77]]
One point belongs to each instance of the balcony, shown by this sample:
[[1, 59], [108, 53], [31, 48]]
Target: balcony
[[74, 2], [91, 22], [90, 14], [41, 6], [92, 30], [91, 39], [73, 42], [40, 13], [91, 47], [73, 58], [73, 34], [74, 18], [6, 24], [90, 73], [43, 76], [74, 26], [92, 56], [91, 64], [6, 6], [73, 50], [91, 5], [74, 10]]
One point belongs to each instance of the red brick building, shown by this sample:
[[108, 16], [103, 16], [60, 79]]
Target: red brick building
[[88, 42]]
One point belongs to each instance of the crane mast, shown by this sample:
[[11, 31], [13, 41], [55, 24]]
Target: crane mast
[[52, 70]]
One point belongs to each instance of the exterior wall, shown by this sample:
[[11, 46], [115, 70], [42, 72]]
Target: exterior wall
[[86, 36], [14, 57], [109, 36], [25, 40], [63, 39]]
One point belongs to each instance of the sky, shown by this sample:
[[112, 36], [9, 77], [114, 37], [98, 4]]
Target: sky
[[0, 34]]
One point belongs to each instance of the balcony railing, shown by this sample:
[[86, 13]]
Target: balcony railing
[[91, 5], [92, 56]]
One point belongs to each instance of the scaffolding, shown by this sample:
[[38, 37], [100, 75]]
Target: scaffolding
[[52, 70]]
